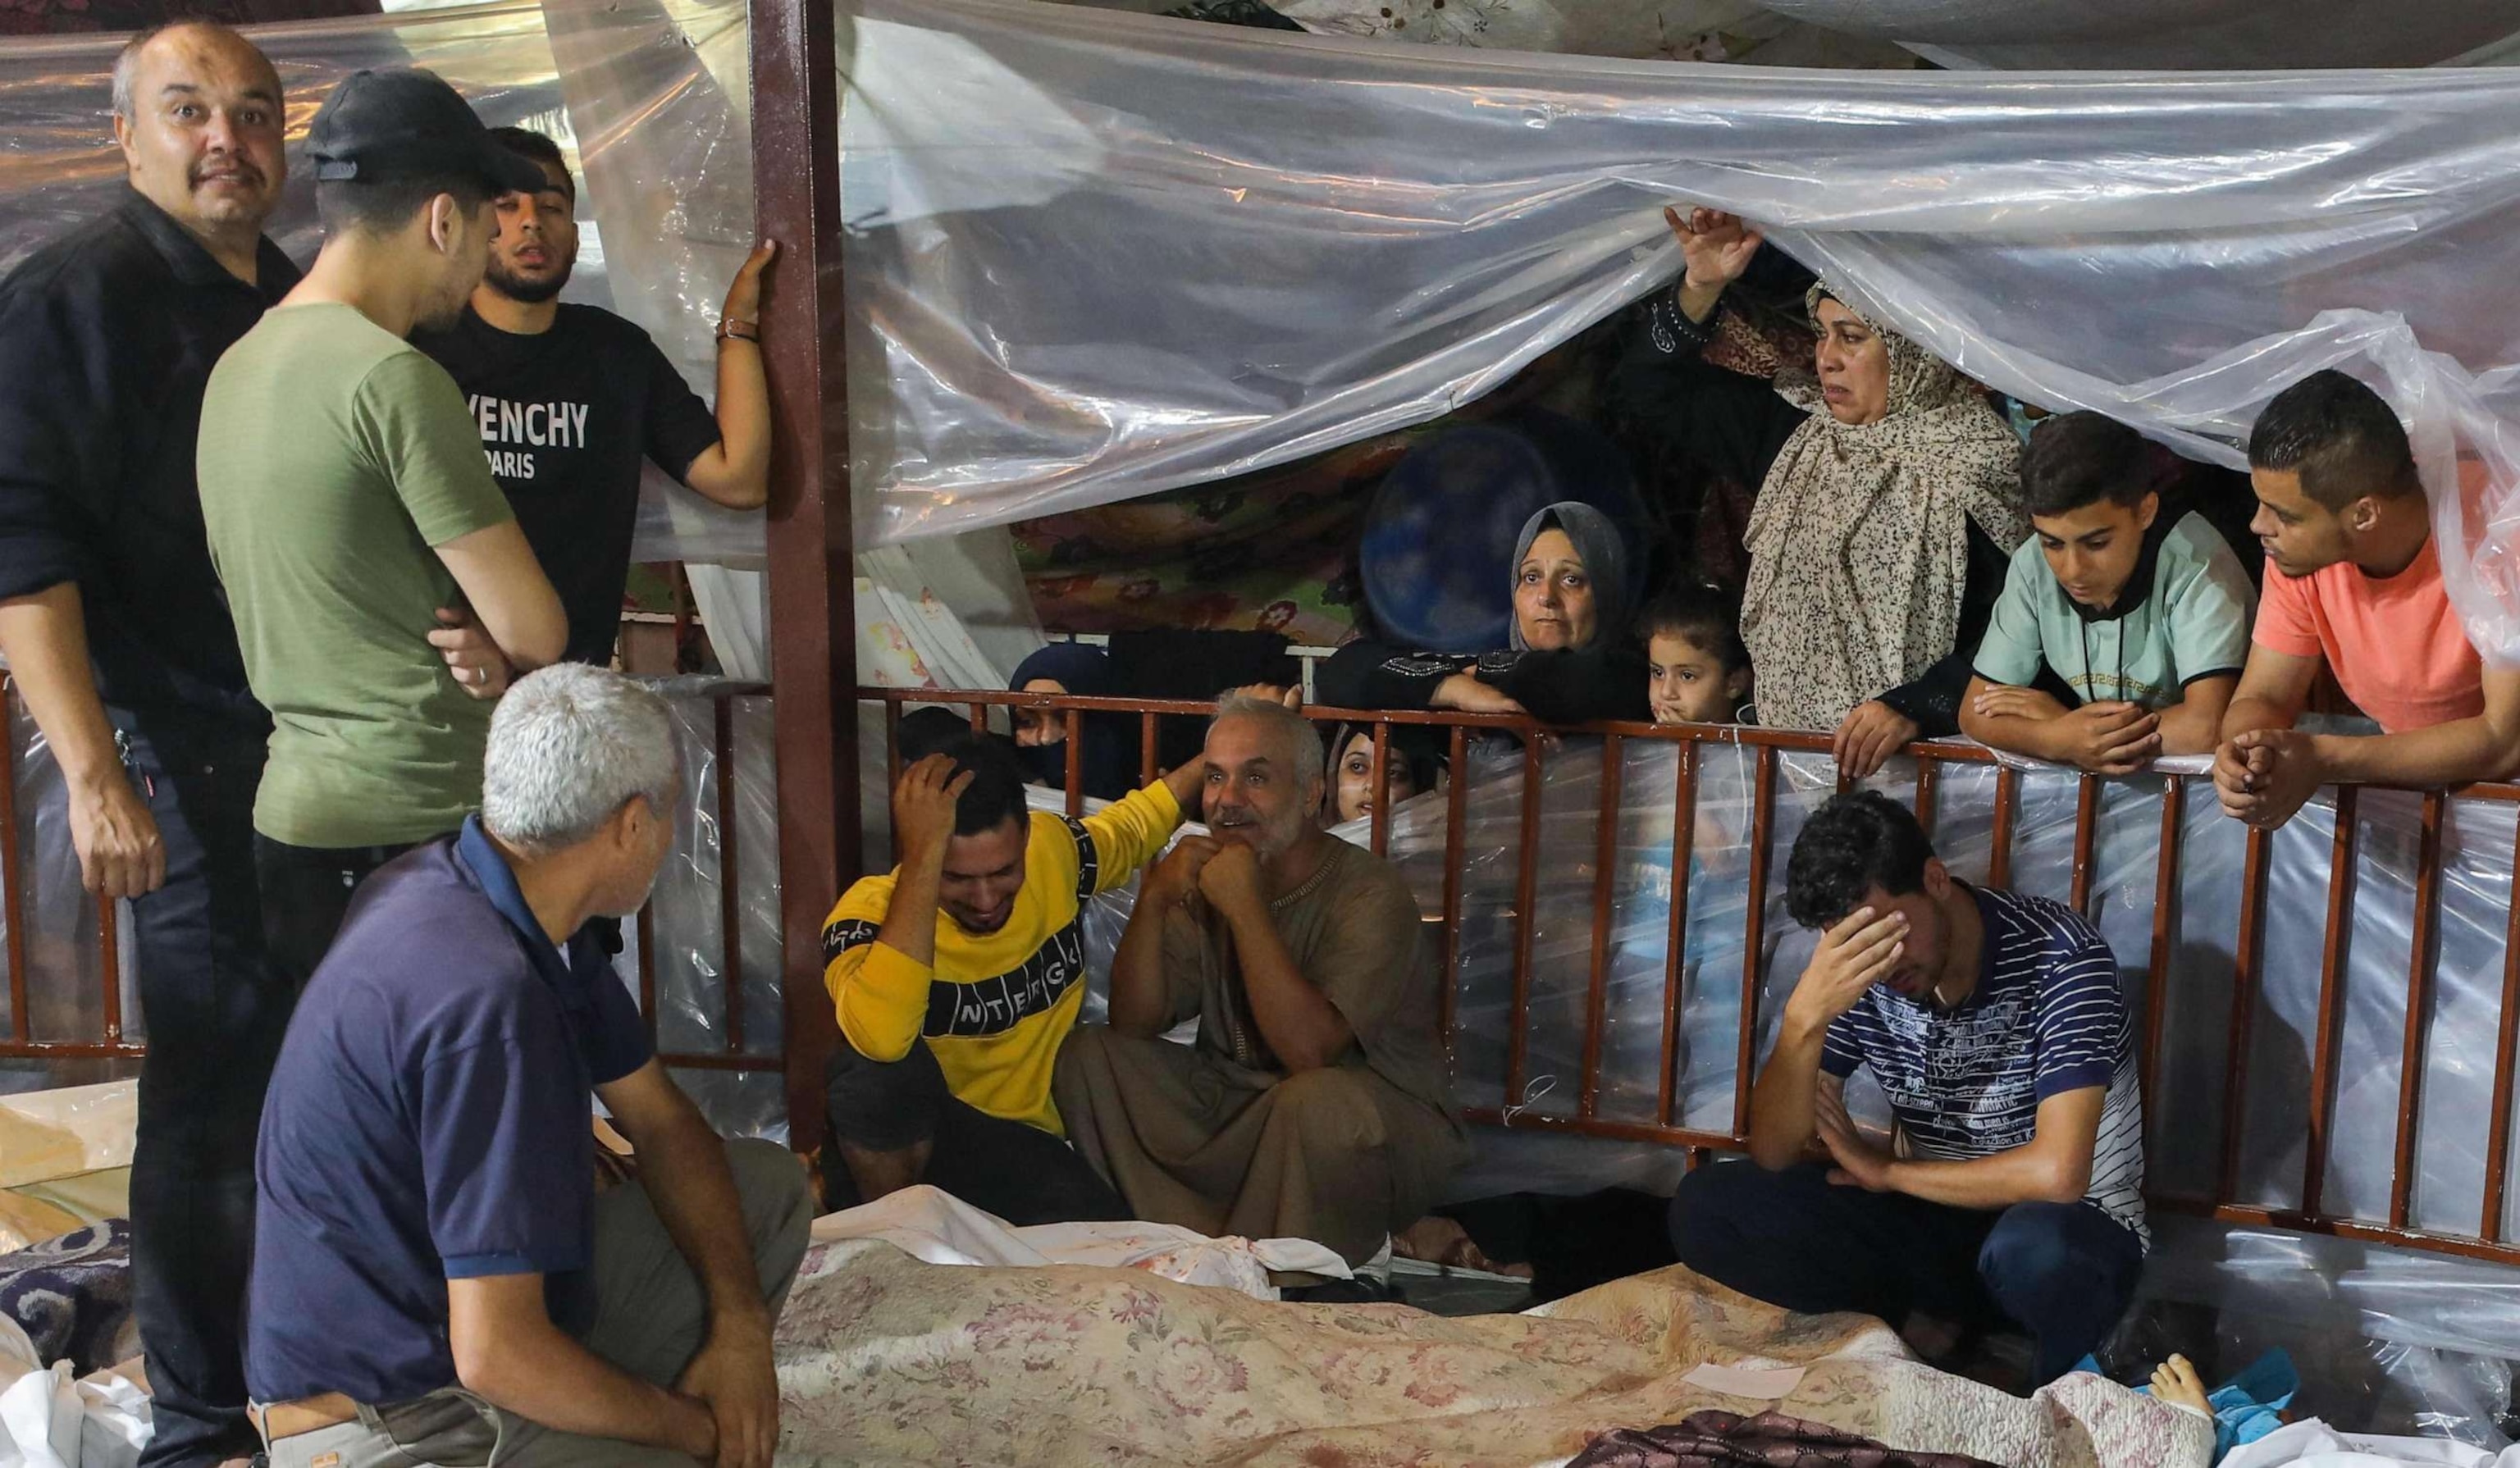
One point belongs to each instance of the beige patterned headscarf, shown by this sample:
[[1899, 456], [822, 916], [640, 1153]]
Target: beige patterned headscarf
[[1859, 541]]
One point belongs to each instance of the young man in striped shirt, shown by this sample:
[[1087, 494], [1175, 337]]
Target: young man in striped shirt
[[1992, 1022]]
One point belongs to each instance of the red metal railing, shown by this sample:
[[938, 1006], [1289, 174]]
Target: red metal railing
[[22, 1042], [731, 1055], [1769, 746]]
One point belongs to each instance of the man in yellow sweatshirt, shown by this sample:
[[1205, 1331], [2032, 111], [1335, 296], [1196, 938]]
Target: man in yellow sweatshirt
[[956, 976]]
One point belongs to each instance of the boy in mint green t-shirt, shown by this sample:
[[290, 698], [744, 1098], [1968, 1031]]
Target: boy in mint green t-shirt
[[2147, 623]]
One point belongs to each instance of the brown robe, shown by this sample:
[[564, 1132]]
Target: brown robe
[[1217, 1138]]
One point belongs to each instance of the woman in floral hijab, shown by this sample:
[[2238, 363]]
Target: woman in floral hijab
[[1889, 500]]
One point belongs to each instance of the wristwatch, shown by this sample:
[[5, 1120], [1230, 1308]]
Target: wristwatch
[[732, 330]]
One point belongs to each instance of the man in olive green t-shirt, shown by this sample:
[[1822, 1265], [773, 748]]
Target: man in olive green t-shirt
[[351, 514]]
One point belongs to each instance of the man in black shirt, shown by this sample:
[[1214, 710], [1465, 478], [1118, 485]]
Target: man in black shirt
[[119, 636], [569, 398]]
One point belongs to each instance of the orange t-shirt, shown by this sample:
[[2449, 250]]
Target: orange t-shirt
[[2396, 648]]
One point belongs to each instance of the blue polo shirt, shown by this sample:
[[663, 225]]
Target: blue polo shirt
[[428, 1121]]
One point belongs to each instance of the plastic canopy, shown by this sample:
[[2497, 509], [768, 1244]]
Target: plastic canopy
[[1094, 255]]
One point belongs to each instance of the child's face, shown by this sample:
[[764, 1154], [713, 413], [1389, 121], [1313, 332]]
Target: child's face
[[1687, 685], [1356, 778], [2093, 550]]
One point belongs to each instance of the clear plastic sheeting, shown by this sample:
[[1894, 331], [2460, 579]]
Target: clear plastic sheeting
[[2016, 35], [664, 151], [729, 788], [2200, 943], [2387, 1340], [65, 952], [1310, 241]]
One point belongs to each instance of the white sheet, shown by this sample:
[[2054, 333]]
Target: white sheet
[[939, 1229]]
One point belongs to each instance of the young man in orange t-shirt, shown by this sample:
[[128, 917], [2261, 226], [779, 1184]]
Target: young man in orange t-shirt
[[2353, 580]]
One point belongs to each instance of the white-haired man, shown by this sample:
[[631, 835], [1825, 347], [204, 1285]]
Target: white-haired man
[[436, 1275], [1314, 1104]]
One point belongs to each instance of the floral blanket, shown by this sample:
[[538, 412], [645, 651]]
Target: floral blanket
[[887, 1361]]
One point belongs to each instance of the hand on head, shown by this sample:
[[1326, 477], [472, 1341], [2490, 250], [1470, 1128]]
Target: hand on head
[[1856, 954], [922, 806]]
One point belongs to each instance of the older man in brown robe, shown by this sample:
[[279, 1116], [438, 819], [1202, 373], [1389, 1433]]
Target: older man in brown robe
[[1313, 1105]]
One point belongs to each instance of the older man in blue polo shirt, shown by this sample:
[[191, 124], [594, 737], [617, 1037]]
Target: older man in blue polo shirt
[[436, 1278]]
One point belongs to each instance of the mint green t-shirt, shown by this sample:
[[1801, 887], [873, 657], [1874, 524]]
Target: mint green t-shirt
[[332, 456], [2193, 622]]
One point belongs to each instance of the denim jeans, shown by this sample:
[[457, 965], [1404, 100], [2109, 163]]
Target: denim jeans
[[2063, 1272], [215, 1010]]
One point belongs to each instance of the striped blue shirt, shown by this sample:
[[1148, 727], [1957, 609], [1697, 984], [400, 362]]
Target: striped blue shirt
[[2046, 1018]]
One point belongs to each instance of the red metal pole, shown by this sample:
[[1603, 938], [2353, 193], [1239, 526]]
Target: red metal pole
[[1605, 861], [2165, 910], [813, 625], [1754, 933], [1455, 810], [1526, 897], [2497, 1134], [1683, 835], [2420, 989], [1998, 864], [2331, 1001], [1380, 825], [730, 891], [2087, 830], [2244, 999]]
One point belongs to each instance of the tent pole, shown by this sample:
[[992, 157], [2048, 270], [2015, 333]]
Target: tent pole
[[813, 632]]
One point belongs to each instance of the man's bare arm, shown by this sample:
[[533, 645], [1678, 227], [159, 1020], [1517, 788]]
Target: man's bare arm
[[2053, 1167], [2195, 724], [683, 1166], [508, 1351], [2486, 748], [507, 590], [735, 472], [2274, 688]]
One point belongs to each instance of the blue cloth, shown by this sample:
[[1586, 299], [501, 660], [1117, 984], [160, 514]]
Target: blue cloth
[[2044, 1018], [2246, 1407], [428, 1121]]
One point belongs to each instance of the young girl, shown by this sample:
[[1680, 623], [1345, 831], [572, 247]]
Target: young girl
[[1697, 669]]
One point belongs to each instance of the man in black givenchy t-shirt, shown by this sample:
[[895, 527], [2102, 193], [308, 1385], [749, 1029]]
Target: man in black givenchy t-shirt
[[571, 398]]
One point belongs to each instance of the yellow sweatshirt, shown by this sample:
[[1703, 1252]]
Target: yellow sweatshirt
[[996, 1007]]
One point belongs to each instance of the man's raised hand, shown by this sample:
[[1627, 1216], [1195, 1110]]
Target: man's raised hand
[[1852, 958], [922, 808], [744, 298]]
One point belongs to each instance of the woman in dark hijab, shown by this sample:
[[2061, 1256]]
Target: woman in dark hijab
[[1570, 658], [1110, 762]]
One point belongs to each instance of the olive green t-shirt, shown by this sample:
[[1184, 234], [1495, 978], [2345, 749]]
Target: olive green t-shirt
[[332, 456]]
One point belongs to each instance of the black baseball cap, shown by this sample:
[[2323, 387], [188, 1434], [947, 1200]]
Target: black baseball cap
[[402, 122]]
